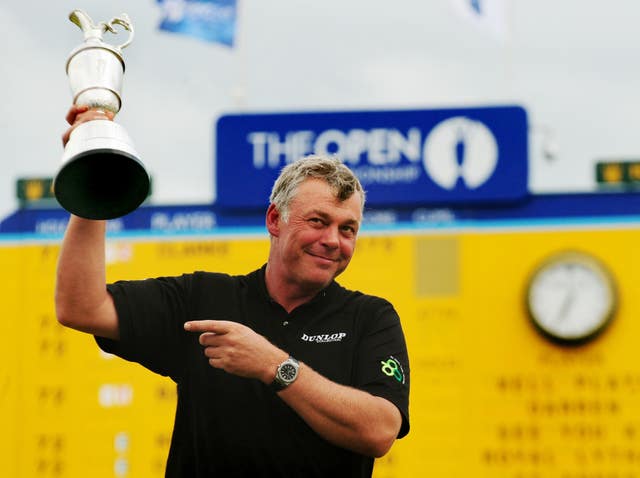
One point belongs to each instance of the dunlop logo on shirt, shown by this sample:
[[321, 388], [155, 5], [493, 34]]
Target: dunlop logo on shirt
[[324, 338]]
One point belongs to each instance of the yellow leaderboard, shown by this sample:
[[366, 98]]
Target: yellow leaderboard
[[491, 395]]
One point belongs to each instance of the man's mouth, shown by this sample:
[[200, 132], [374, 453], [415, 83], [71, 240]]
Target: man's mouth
[[322, 257]]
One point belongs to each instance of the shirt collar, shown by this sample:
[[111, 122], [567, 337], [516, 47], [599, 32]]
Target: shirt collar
[[320, 297]]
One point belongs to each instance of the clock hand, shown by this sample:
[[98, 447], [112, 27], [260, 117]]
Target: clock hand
[[566, 305]]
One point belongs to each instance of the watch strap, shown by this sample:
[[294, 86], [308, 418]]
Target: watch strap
[[277, 385]]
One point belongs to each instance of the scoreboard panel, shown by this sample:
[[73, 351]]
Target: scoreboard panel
[[491, 397]]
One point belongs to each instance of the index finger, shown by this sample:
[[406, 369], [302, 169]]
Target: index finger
[[215, 326]]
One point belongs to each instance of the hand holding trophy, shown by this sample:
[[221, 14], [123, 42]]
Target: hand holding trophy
[[101, 176]]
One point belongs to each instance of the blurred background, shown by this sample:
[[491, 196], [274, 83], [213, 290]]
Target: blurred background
[[520, 313], [571, 64]]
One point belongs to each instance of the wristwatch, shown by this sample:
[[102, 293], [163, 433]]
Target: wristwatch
[[286, 374]]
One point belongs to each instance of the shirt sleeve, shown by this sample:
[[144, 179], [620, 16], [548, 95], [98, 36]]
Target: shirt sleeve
[[151, 314], [382, 364]]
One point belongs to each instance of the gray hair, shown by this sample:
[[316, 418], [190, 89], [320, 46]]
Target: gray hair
[[330, 169]]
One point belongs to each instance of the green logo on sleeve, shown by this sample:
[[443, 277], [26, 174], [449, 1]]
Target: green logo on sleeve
[[392, 368]]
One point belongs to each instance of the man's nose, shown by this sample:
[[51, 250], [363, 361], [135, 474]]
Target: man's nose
[[331, 237]]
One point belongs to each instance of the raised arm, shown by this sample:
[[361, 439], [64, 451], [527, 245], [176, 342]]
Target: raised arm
[[81, 298]]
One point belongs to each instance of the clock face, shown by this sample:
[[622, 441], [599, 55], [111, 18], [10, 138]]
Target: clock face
[[571, 297], [288, 372]]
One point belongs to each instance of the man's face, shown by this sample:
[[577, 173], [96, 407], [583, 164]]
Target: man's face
[[318, 241]]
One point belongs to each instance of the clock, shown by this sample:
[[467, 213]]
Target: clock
[[571, 297]]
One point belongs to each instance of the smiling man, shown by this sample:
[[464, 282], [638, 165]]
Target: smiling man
[[313, 232], [281, 372]]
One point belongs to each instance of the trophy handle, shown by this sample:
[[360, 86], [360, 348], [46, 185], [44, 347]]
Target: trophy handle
[[124, 22], [93, 31]]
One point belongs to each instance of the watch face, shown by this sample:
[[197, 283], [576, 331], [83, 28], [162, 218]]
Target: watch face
[[288, 372], [571, 297]]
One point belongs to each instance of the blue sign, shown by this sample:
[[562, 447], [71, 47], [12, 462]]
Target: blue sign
[[410, 157], [209, 20], [545, 209]]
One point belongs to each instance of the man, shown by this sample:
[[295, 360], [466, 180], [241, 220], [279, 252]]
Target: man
[[281, 372]]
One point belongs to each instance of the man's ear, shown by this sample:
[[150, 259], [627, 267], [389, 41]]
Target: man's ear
[[273, 220]]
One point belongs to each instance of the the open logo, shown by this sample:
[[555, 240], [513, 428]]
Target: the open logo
[[460, 149]]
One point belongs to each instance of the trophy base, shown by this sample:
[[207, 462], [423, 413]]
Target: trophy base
[[101, 184]]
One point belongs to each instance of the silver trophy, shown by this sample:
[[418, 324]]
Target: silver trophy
[[101, 176]]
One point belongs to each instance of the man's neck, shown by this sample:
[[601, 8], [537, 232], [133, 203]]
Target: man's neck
[[288, 294]]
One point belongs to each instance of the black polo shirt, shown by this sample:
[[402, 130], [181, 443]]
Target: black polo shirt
[[237, 427]]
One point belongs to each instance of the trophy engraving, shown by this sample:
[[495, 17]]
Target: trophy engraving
[[101, 176]]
